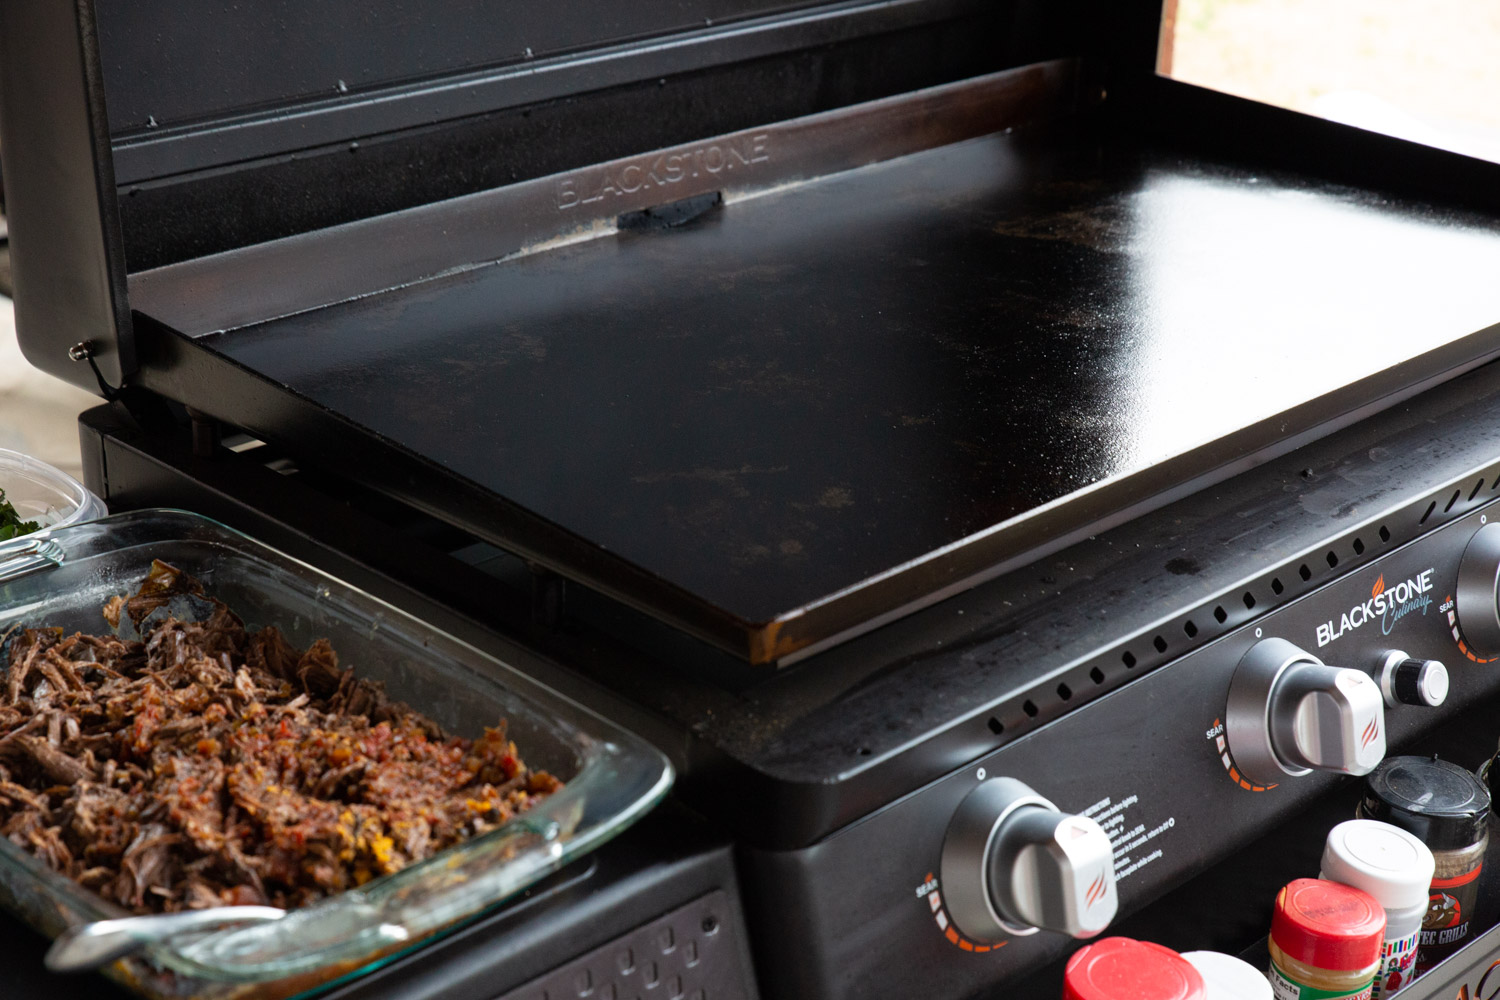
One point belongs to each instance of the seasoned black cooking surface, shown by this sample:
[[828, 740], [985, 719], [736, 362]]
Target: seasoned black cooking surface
[[809, 388]]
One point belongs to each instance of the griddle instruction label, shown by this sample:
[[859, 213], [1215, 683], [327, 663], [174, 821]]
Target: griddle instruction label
[[1133, 840]]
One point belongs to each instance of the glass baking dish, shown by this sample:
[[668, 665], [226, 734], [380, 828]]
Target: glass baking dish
[[612, 777]]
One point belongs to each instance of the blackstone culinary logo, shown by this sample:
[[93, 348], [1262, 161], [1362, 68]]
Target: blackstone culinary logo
[[1387, 605]]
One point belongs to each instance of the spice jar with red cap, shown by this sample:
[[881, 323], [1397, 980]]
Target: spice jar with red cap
[[1119, 968], [1325, 941]]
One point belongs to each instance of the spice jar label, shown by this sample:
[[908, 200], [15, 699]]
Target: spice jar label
[[1286, 988], [1450, 907], [1398, 959]]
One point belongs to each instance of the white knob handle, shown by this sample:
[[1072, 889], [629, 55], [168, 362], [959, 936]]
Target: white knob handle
[[1328, 718], [1014, 864], [1061, 873], [1289, 713]]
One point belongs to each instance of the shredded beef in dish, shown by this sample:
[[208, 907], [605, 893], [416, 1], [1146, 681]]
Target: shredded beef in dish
[[205, 765]]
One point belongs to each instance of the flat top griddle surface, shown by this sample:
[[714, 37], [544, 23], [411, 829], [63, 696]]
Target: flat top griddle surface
[[799, 392]]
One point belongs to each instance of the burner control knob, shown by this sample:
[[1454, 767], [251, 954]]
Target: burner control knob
[[1013, 863], [1288, 713], [1477, 597], [1405, 681]]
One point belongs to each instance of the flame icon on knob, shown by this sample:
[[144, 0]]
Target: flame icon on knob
[[1379, 587], [1096, 890], [1371, 731]]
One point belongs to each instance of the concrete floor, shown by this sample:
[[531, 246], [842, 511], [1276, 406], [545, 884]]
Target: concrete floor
[[38, 413]]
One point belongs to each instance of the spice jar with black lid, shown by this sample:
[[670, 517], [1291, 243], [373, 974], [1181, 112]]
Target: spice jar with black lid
[[1447, 808]]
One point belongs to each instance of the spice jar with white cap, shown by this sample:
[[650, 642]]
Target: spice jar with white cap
[[1229, 978], [1396, 869]]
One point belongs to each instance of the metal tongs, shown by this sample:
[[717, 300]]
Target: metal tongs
[[88, 946]]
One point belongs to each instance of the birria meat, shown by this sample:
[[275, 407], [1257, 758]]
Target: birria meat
[[206, 765]]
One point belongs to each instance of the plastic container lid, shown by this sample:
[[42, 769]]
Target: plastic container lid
[[1120, 968], [1328, 925], [1229, 978], [1383, 860], [44, 494], [1442, 804]]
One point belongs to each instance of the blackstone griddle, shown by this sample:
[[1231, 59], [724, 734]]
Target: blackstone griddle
[[863, 360], [847, 383], [1001, 392]]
